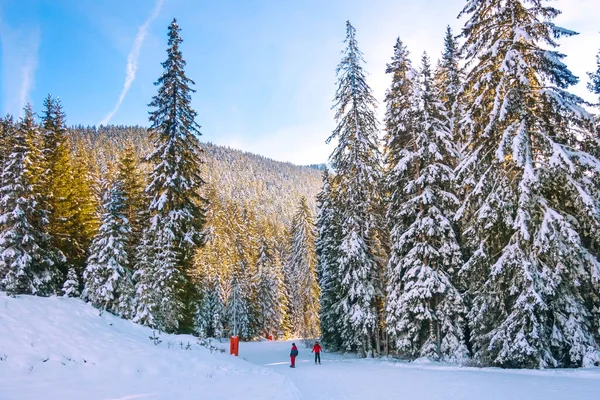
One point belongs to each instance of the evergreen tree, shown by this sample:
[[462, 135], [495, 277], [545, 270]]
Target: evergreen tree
[[425, 312], [66, 190], [107, 278], [27, 263], [210, 316], [401, 107], [71, 285], [56, 189], [302, 263], [529, 218], [7, 128], [128, 172], [176, 208], [326, 246], [356, 161], [147, 298], [270, 292], [449, 79], [238, 310], [83, 222]]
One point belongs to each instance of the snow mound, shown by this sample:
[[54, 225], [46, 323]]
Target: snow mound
[[424, 361], [62, 348]]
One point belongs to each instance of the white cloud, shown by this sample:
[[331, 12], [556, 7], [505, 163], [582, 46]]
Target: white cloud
[[132, 59], [19, 61]]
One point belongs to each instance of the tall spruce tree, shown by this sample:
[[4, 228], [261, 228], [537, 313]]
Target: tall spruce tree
[[83, 221], [270, 292], [529, 218], [304, 299], [56, 189], [176, 207], [107, 277], [27, 260], [401, 124], [425, 312], [129, 173], [238, 309], [7, 127], [356, 161], [449, 80], [401, 107], [326, 246]]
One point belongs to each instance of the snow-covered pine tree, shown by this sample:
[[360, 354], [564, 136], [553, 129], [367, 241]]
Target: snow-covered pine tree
[[83, 222], [303, 266], [211, 312], [401, 108], [401, 124], [176, 207], [449, 79], [238, 310], [107, 278], [425, 312], [128, 172], [356, 161], [27, 262], [246, 243], [7, 127], [56, 186], [327, 245], [71, 286], [146, 297], [530, 215], [270, 292]]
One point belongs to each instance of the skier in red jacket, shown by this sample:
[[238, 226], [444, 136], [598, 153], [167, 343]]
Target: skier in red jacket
[[293, 355], [317, 350]]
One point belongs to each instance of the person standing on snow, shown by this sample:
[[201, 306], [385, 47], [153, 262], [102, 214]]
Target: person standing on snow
[[317, 350], [293, 355]]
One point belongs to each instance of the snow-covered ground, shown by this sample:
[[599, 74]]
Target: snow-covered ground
[[349, 378], [61, 348]]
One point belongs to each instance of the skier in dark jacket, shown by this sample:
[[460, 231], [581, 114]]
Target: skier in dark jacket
[[293, 355], [317, 350]]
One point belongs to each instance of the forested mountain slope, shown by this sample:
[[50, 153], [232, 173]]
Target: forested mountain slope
[[270, 188]]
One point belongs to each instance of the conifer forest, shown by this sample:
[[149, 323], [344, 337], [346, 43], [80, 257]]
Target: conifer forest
[[463, 226]]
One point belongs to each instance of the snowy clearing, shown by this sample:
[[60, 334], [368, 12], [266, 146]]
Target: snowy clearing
[[59, 348]]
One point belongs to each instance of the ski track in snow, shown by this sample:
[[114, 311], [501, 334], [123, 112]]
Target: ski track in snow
[[61, 349], [346, 377]]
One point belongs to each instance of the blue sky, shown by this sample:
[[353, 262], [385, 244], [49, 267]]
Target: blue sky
[[264, 69]]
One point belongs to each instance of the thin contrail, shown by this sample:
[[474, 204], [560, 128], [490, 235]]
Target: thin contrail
[[132, 59], [27, 72]]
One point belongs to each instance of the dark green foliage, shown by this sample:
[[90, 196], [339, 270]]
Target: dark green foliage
[[176, 210]]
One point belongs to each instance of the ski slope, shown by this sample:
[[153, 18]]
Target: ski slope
[[59, 348], [349, 378]]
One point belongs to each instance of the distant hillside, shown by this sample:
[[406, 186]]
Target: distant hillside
[[271, 188]]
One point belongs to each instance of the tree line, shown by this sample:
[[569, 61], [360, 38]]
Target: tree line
[[471, 231]]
